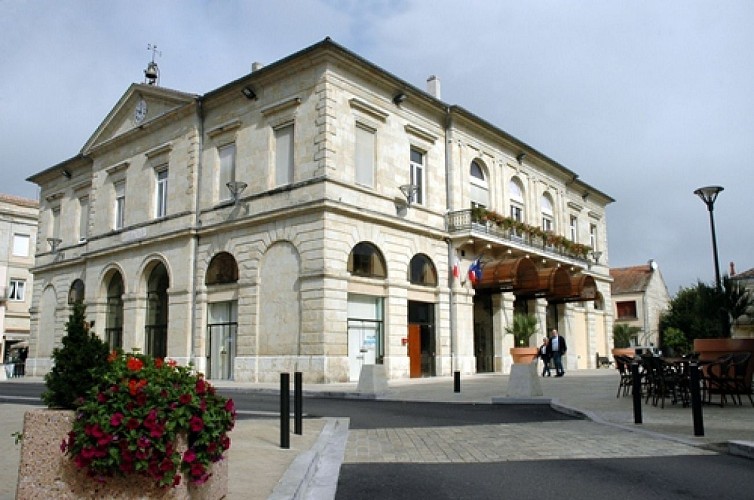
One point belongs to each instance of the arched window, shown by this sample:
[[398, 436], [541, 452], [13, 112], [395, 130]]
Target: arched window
[[479, 190], [76, 292], [156, 327], [114, 321], [516, 193], [599, 302], [366, 260], [548, 217], [422, 271], [222, 269]]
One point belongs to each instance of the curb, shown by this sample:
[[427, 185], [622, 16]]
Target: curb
[[314, 473]]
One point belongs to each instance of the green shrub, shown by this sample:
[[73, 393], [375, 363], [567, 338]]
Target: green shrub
[[676, 340], [623, 334], [77, 365], [522, 328]]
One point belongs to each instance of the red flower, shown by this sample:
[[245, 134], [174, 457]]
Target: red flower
[[112, 356], [116, 419], [189, 456], [134, 385], [230, 406], [134, 364], [225, 442], [196, 423], [185, 399], [159, 362], [201, 386], [132, 424], [101, 397]]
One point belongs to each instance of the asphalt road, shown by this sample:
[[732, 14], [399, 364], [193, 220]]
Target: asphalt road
[[669, 477]]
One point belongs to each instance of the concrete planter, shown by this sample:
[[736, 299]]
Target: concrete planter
[[523, 355], [45, 472], [623, 351]]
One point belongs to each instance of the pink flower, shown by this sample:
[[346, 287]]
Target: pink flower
[[230, 406], [132, 423], [116, 419], [189, 456], [196, 423], [201, 386]]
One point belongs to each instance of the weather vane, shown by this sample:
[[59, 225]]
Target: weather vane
[[152, 73]]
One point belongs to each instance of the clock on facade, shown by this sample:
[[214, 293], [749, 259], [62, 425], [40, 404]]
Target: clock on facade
[[140, 112]]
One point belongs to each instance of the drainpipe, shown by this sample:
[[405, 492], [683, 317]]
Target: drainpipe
[[196, 226], [451, 251]]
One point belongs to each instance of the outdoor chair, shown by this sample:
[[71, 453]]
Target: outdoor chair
[[715, 379], [735, 377], [623, 364], [665, 380]]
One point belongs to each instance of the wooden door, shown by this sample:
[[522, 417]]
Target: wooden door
[[415, 351]]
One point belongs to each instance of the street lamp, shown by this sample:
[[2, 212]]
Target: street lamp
[[709, 195]]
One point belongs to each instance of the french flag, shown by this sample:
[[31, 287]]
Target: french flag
[[456, 268], [475, 271]]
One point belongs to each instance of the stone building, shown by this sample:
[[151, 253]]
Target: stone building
[[640, 296], [743, 326], [18, 233], [316, 215]]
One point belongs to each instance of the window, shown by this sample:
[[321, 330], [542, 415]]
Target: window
[[222, 269], [479, 190], [83, 218], [422, 271], [517, 204], [626, 309], [573, 227], [593, 236], [284, 155], [227, 172], [55, 223], [547, 214], [16, 290], [364, 155], [417, 175], [366, 260], [21, 245], [161, 193], [114, 314], [120, 205]]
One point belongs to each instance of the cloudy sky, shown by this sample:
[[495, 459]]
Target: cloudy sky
[[646, 100]]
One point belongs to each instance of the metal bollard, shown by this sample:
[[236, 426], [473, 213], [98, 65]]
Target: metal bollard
[[285, 410], [298, 404], [696, 399], [636, 390], [456, 381]]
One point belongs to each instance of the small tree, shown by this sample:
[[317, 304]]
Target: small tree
[[675, 340], [522, 328], [77, 366], [623, 334]]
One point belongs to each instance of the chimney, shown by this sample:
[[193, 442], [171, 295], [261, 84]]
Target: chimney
[[433, 86], [732, 269], [256, 66]]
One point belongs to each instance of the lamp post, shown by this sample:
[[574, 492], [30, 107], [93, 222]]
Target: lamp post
[[708, 195]]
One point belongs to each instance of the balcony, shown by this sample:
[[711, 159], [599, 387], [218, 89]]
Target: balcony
[[487, 225]]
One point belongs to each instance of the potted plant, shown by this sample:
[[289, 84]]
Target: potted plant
[[524, 325], [133, 426], [623, 334]]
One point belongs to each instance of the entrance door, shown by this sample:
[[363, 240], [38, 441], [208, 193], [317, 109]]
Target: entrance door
[[222, 340], [415, 351]]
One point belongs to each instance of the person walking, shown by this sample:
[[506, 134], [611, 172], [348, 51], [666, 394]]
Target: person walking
[[557, 349], [544, 354]]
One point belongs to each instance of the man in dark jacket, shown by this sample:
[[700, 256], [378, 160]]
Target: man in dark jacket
[[557, 350]]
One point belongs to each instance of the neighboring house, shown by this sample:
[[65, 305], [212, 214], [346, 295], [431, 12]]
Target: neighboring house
[[316, 215], [640, 296], [743, 327], [18, 233]]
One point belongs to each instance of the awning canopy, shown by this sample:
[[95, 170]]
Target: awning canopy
[[583, 288], [509, 275], [522, 277]]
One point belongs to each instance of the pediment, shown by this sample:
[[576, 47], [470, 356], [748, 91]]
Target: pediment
[[122, 118]]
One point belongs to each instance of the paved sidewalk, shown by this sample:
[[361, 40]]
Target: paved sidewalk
[[310, 468]]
